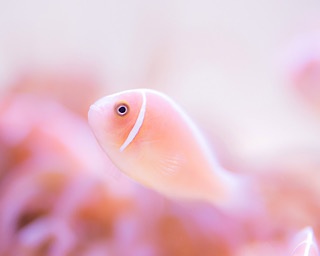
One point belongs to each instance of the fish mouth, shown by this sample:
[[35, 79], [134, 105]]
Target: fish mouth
[[102, 103], [95, 107], [95, 115]]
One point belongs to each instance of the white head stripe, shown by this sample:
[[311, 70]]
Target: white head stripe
[[138, 124]]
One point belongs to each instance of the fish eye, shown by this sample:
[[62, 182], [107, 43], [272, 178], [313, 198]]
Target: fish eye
[[122, 109]]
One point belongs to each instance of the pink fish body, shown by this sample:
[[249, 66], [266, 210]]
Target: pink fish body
[[150, 139]]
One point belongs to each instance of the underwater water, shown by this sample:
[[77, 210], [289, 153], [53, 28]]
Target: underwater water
[[247, 74]]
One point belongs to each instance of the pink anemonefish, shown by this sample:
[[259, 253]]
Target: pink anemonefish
[[151, 139]]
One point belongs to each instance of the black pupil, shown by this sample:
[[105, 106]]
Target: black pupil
[[122, 110]]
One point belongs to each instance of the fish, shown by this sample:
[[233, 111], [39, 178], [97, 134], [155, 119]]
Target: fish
[[305, 243], [151, 139]]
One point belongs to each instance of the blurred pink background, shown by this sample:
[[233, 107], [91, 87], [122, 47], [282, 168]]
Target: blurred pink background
[[247, 72]]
